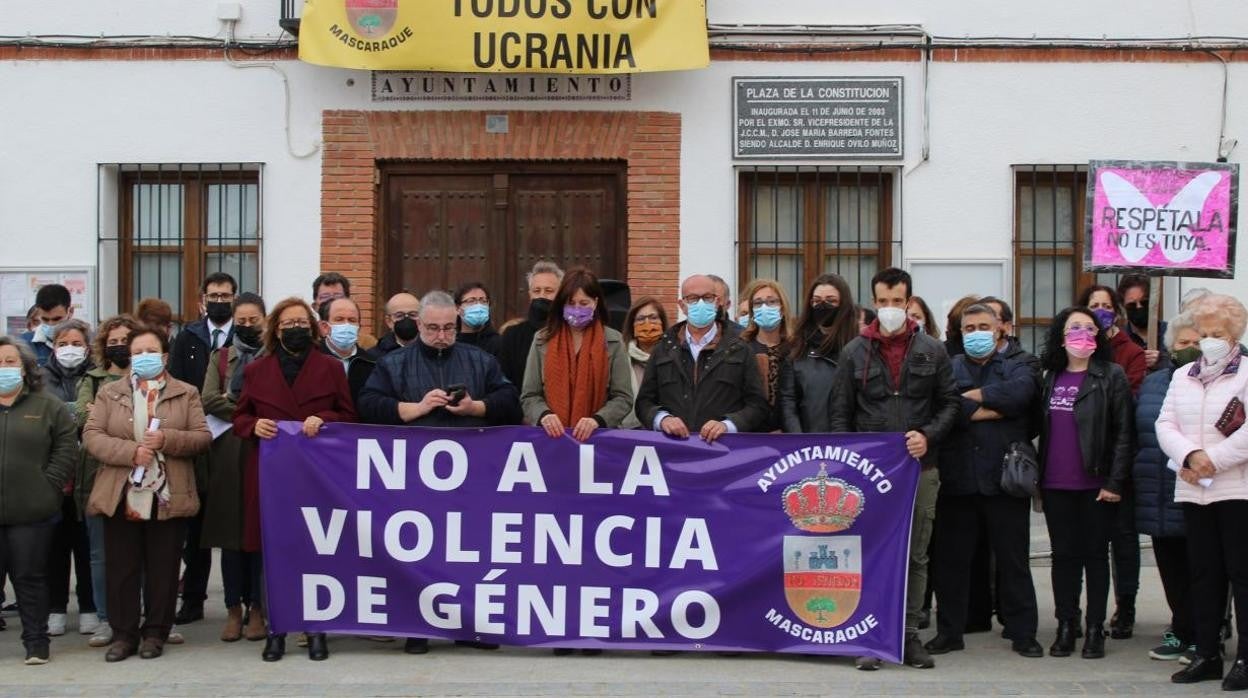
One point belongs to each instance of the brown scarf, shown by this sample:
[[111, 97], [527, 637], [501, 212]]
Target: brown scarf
[[576, 382]]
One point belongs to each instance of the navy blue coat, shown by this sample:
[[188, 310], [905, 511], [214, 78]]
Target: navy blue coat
[[972, 453], [1156, 513]]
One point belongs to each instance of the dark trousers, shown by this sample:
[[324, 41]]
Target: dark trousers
[[198, 562], [1217, 551], [70, 542], [961, 521], [24, 557], [1176, 581], [142, 555], [1124, 542], [1079, 530], [241, 577]]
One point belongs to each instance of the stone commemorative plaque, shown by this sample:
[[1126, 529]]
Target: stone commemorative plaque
[[813, 117]]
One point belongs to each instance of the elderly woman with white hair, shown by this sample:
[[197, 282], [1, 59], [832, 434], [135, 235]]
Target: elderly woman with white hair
[[1201, 429]]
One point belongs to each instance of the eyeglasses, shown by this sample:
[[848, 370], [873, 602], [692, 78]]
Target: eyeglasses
[[292, 324], [1081, 328], [219, 297], [413, 314], [708, 297], [439, 329], [651, 317], [475, 300], [330, 297], [768, 302]]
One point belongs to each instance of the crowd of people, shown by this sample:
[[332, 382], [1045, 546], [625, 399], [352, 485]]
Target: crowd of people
[[128, 453]]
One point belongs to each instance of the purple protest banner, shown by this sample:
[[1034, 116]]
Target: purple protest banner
[[1162, 218], [776, 543]]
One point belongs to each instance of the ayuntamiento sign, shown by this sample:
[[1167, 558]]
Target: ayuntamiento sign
[[503, 36]]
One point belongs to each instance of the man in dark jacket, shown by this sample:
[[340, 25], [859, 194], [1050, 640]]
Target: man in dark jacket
[[188, 362], [437, 382], [996, 404], [340, 326], [402, 311], [893, 378], [514, 345], [416, 385], [702, 378]]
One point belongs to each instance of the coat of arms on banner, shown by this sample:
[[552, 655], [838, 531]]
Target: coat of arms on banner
[[372, 18], [823, 574]]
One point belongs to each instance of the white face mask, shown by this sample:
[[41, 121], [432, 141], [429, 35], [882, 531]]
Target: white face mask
[[891, 319], [1214, 350], [70, 356]]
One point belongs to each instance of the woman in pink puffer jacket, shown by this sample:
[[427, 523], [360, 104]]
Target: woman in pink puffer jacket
[[1213, 481]]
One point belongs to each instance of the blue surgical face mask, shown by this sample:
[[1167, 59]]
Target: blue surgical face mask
[[147, 365], [744, 321], [702, 314], [979, 343], [476, 315], [10, 379], [767, 317], [344, 336]]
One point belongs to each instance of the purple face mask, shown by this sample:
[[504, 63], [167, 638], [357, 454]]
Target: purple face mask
[[578, 316], [1105, 317]]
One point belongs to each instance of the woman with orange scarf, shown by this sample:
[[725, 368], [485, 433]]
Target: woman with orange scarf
[[578, 376]]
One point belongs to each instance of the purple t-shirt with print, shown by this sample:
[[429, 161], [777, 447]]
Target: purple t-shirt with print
[[1063, 463]]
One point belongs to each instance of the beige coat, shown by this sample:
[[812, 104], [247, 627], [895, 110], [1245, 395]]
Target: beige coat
[[617, 403], [109, 437]]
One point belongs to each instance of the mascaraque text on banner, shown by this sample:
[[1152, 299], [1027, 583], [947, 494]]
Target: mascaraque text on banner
[[534, 36], [633, 540]]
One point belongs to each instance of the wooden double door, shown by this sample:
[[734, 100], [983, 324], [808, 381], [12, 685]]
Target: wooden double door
[[449, 223]]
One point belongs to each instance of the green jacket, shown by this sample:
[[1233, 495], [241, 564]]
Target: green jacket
[[84, 477], [617, 403], [38, 449]]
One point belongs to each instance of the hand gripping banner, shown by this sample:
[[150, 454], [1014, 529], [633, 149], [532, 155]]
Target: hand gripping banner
[[633, 540]]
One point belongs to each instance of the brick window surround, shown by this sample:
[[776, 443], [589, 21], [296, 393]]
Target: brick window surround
[[355, 141]]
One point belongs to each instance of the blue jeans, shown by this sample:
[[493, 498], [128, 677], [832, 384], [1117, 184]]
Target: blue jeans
[[95, 536]]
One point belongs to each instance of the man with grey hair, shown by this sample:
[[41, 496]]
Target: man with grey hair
[[436, 382], [997, 395], [513, 352]]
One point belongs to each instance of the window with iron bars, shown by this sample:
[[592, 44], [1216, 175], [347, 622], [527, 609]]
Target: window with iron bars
[[173, 224], [796, 223], [1049, 206]]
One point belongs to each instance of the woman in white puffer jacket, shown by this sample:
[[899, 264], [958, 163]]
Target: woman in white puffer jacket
[[1213, 482]]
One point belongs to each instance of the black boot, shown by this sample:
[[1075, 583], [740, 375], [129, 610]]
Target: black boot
[[1094, 642], [1122, 624], [318, 647], [1064, 644], [416, 645], [1201, 669], [190, 612], [274, 648], [1237, 678]]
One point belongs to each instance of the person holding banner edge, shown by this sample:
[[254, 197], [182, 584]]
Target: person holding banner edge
[[894, 378], [293, 381]]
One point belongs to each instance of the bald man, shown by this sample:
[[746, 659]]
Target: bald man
[[701, 378], [401, 312]]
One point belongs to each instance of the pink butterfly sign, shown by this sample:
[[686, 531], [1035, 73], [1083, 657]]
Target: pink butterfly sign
[[1171, 218]]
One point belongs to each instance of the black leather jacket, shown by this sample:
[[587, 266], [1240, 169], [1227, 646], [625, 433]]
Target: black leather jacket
[[806, 392], [925, 400], [1105, 417]]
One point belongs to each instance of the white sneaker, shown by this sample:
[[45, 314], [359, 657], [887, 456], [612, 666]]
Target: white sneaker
[[56, 624], [175, 637], [88, 623], [103, 637]]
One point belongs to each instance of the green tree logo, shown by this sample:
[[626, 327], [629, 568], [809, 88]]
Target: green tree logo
[[370, 23], [820, 605]]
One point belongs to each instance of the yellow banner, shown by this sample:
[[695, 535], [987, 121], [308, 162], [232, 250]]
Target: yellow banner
[[504, 36]]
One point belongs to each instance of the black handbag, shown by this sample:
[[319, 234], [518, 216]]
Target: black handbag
[[1020, 471]]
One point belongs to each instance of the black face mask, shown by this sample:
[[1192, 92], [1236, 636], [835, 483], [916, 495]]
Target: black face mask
[[539, 310], [118, 355], [219, 313], [824, 315], [296, 339], [247, 335], [1138, 315], [406, 329]]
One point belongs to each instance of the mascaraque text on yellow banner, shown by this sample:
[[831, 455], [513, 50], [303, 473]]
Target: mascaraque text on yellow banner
[[531, 36]]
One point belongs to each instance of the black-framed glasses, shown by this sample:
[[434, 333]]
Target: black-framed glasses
[[413, 314], [439, 329], [708, 297]]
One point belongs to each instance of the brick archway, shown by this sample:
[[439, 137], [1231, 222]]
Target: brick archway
[[356, 140]]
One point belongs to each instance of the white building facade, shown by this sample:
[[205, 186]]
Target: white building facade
[[147, 163]]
